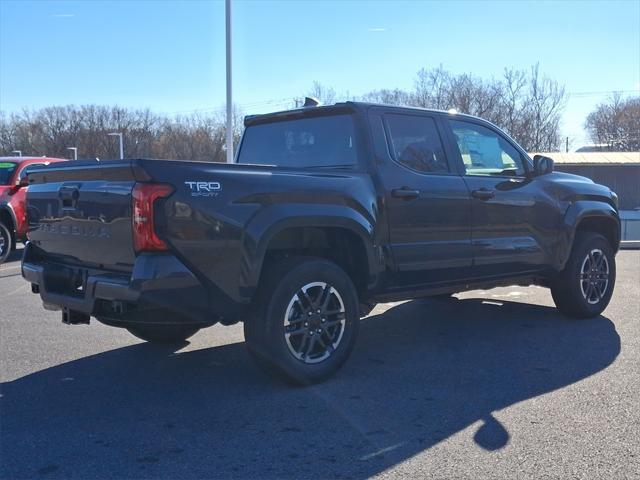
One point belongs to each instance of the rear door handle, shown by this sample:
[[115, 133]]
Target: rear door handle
[[405, 193], [483, 194]]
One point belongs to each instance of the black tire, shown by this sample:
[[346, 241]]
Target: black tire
[[166, 334], [6, 243], [585, 294], [300, 357], [444, 297]]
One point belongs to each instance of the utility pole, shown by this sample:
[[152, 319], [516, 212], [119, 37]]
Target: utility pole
[[227, 11], [567, 146]]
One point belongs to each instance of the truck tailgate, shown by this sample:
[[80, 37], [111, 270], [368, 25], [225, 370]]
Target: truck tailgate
[[82, 212]]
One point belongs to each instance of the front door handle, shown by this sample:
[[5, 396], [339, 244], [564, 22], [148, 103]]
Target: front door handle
[[483, 194], [405, 193]]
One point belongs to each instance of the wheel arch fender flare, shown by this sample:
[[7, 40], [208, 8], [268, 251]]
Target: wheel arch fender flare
[[591, 211], [7, 209], [275, 219]]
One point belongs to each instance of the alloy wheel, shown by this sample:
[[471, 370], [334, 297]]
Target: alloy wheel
[[314, 322], [594, 276]]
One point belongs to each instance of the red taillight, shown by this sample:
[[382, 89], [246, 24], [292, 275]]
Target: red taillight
[[145, 238]]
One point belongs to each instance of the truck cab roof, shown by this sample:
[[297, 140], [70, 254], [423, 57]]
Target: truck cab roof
[[344, 107]]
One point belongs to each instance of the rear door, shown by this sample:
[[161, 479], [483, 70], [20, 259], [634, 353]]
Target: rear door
[[512, 219], [427, 202]]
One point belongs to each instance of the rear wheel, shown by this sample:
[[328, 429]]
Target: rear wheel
[[163, 333], [443, 296], [585, 286], [6, 242], [306, 322]]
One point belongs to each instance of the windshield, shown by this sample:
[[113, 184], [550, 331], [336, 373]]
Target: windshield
[[6, 171], [303, 142]]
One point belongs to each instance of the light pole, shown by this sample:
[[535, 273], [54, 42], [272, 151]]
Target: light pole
[[75, 152], [119, 135], [19, 152], [227, 11]]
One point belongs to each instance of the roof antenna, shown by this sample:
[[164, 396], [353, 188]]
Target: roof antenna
[[311, 102]]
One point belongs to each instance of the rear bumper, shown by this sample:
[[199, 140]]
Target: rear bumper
[[160, 290]]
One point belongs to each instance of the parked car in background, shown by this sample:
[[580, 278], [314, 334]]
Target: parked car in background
[[327, 211], [13, 212]]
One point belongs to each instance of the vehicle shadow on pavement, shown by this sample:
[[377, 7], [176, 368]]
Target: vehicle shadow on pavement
[[421, 372]]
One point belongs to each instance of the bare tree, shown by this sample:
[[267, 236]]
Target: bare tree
[[545, 101], [326, 95], [432, 89], [390, 97], [523, 103], [616, 123], [49, 131], [514, 85]]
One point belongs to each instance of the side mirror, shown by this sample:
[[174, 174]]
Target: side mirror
[[542, 165]]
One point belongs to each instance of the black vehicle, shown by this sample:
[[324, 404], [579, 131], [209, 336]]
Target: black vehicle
[[327, 211]]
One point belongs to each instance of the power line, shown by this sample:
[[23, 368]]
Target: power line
[[604, 92]]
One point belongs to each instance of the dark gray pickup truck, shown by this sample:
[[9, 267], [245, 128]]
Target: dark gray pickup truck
[[328, 210]]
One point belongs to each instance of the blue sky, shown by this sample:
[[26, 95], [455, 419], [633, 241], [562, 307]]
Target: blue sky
[[169, 55]]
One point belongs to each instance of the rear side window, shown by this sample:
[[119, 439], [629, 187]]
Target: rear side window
[[305, 142], [415, 143]]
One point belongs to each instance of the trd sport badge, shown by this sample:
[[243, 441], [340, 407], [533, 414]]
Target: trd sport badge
[[204, 189]]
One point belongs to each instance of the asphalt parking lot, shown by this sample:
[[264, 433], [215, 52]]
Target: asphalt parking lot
[[491, 384]]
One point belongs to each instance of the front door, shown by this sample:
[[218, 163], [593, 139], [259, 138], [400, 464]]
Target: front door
[[427, 202], [512, 220]]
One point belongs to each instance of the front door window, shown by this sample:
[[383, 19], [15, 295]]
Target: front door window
[[484, 152]]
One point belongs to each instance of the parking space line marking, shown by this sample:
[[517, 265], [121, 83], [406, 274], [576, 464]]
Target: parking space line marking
[[381, 451]]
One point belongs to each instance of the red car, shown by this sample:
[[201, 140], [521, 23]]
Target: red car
[[13, 187]]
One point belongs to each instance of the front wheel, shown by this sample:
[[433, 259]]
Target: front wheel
[[6, 242], [585, 286], [163, 333], [306, 321]]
